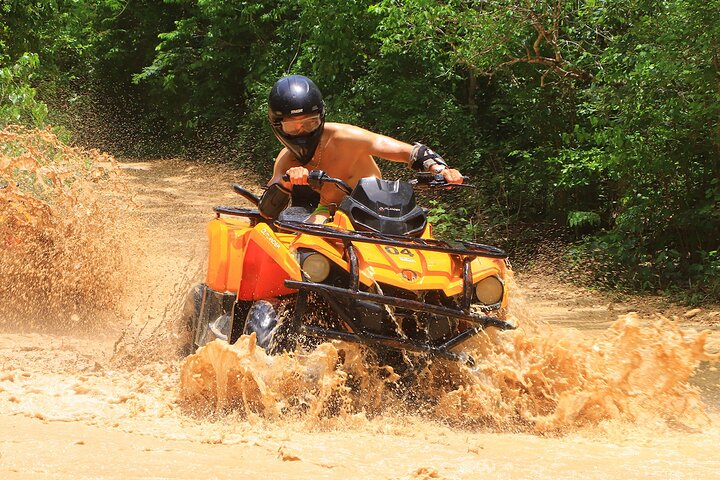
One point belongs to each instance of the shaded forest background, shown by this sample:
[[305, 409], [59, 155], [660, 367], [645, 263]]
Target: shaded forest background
[[593, 123]]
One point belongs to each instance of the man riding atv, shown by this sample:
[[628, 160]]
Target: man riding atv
[[297, 116], [363, 267]]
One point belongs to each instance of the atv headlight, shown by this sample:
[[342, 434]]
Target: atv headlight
[[489, 290], [316, 267]]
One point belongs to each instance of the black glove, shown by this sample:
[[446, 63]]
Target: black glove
[[422, 158]]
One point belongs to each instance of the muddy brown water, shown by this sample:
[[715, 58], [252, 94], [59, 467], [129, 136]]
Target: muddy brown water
[[587, 387]]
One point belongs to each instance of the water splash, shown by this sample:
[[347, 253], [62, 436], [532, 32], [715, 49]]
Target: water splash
[[62, 250], [326, 381], [560, 380], [552, 381]]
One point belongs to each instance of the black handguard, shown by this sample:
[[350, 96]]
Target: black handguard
[[422, 158], [275, 199]]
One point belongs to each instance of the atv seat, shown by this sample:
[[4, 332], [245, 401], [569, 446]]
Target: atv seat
[[294, 214]]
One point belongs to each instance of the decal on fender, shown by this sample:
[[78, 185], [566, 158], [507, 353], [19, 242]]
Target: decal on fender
[[405, 255], [270, 238]]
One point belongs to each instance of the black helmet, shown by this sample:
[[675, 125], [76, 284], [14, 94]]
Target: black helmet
[[291, 96]]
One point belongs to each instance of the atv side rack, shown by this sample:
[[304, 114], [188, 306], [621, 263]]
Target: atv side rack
[[460, 248]]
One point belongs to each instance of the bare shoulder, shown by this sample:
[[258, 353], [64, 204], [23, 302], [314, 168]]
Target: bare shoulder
[[364, 141], [349, 133]]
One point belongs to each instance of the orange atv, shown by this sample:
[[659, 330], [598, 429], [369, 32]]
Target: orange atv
[[373, 274]]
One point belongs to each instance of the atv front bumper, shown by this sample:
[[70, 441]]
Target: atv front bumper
[[354, 332]]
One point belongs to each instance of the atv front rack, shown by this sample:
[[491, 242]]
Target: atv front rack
[[431, 244], [355, 332]]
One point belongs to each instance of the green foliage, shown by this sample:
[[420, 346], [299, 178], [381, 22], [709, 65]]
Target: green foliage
[[18, 102], [601, 117], [57, 31], [581, 219], [448, 223]]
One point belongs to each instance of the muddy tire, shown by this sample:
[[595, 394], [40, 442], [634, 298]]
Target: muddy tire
[[239, 314], [189, 319], [273, 332]]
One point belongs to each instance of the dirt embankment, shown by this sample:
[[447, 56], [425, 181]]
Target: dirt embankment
[[100, 396]]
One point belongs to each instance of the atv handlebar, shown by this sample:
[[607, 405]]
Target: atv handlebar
[[247, 194], [436, 180], [317, 178]]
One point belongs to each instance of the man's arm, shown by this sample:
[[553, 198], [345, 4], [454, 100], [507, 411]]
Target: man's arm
[[282, 164], [366, 142], [417, 157], [277, 195]]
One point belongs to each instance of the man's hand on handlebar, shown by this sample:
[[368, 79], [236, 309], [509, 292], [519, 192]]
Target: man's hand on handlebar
[[438, 180], [315, 179], [452, 176], [295, 176]]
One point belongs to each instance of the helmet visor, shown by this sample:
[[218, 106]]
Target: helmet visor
[[301, 125]]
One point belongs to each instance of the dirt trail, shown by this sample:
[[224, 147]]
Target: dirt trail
[[104, 403]]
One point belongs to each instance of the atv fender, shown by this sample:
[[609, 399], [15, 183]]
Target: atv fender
[[253, 262]]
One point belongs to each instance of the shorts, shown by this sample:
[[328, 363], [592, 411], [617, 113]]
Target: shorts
[[321, 210]]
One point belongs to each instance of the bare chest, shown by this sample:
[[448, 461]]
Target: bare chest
[[342, 163]]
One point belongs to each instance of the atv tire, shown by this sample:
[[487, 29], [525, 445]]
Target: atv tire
[[188, 320], [273, 334]]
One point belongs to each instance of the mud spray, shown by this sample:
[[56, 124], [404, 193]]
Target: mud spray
[[71, 220], [533, 379], [61, 247]]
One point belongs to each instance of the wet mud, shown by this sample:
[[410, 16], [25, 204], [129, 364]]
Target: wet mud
[[554, 381]]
